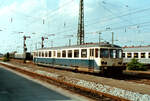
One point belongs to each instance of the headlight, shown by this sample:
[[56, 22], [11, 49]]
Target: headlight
[[119, 63], [103, 62]]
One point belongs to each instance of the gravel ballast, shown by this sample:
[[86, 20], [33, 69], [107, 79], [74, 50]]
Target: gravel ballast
[[130, 95]]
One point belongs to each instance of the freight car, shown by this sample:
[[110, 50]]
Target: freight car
[[21, 56], [94, 57]]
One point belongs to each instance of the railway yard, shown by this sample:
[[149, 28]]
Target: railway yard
[[128, 86], [109, 61]]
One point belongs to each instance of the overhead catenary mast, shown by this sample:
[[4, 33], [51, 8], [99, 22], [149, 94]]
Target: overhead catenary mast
[[80, 34]]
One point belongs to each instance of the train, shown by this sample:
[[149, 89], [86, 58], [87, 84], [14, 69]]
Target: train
[[92, 57], [142, 53], [21, 56]]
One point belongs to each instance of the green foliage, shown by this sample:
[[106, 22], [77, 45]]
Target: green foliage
[[135, 65], [5, 59]]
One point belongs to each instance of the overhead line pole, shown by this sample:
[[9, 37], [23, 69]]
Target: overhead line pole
[[80, 34], [25, 47]]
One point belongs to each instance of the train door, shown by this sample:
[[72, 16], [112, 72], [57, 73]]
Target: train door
[[53, 57], [91, 58]]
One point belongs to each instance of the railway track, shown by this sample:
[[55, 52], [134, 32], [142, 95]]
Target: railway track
[[132, 76], [99, 96]]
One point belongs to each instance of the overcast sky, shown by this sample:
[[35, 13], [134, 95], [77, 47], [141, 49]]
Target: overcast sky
[[128, 19]]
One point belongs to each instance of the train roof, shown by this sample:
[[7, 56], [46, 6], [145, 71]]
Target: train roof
[[136, 49], [102, 44]]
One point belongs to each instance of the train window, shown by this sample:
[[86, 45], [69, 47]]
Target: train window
[[50, 54], [111, 53], [83, 53], [76, 53], [36, 53], [70, 53], [63, 53], [42, 54], [117, 53], [58, 54], [96, 52], [45, 54], [142, 55], [129, 55], [54, 53], [149, 55], [91, 52], [123, 55], [136, 55], [39, 54], [104, 53]]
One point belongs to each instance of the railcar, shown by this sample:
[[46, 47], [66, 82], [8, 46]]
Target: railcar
[[21, 56], [94, 57], [142, 53]]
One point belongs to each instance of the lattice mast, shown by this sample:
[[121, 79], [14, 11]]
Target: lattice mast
[[80, 34]]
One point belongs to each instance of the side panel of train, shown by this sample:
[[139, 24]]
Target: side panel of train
[[83, 59], [143, 57]]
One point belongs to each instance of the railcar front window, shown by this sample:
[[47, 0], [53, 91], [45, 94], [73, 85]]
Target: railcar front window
[[111, 53], [104, 53], [116, 53], [123, 55], [119, 53]]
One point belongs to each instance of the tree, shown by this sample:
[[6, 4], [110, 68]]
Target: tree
[[136, 65]]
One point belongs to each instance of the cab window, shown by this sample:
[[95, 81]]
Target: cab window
[[104, 53]]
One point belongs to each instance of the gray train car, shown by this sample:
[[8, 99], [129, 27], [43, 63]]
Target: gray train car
[[142, 53], [21, 56]]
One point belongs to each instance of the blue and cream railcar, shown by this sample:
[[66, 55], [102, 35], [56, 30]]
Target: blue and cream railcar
[[88, 57]]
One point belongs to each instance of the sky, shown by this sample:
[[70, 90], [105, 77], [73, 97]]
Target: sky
[[58, 20]]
